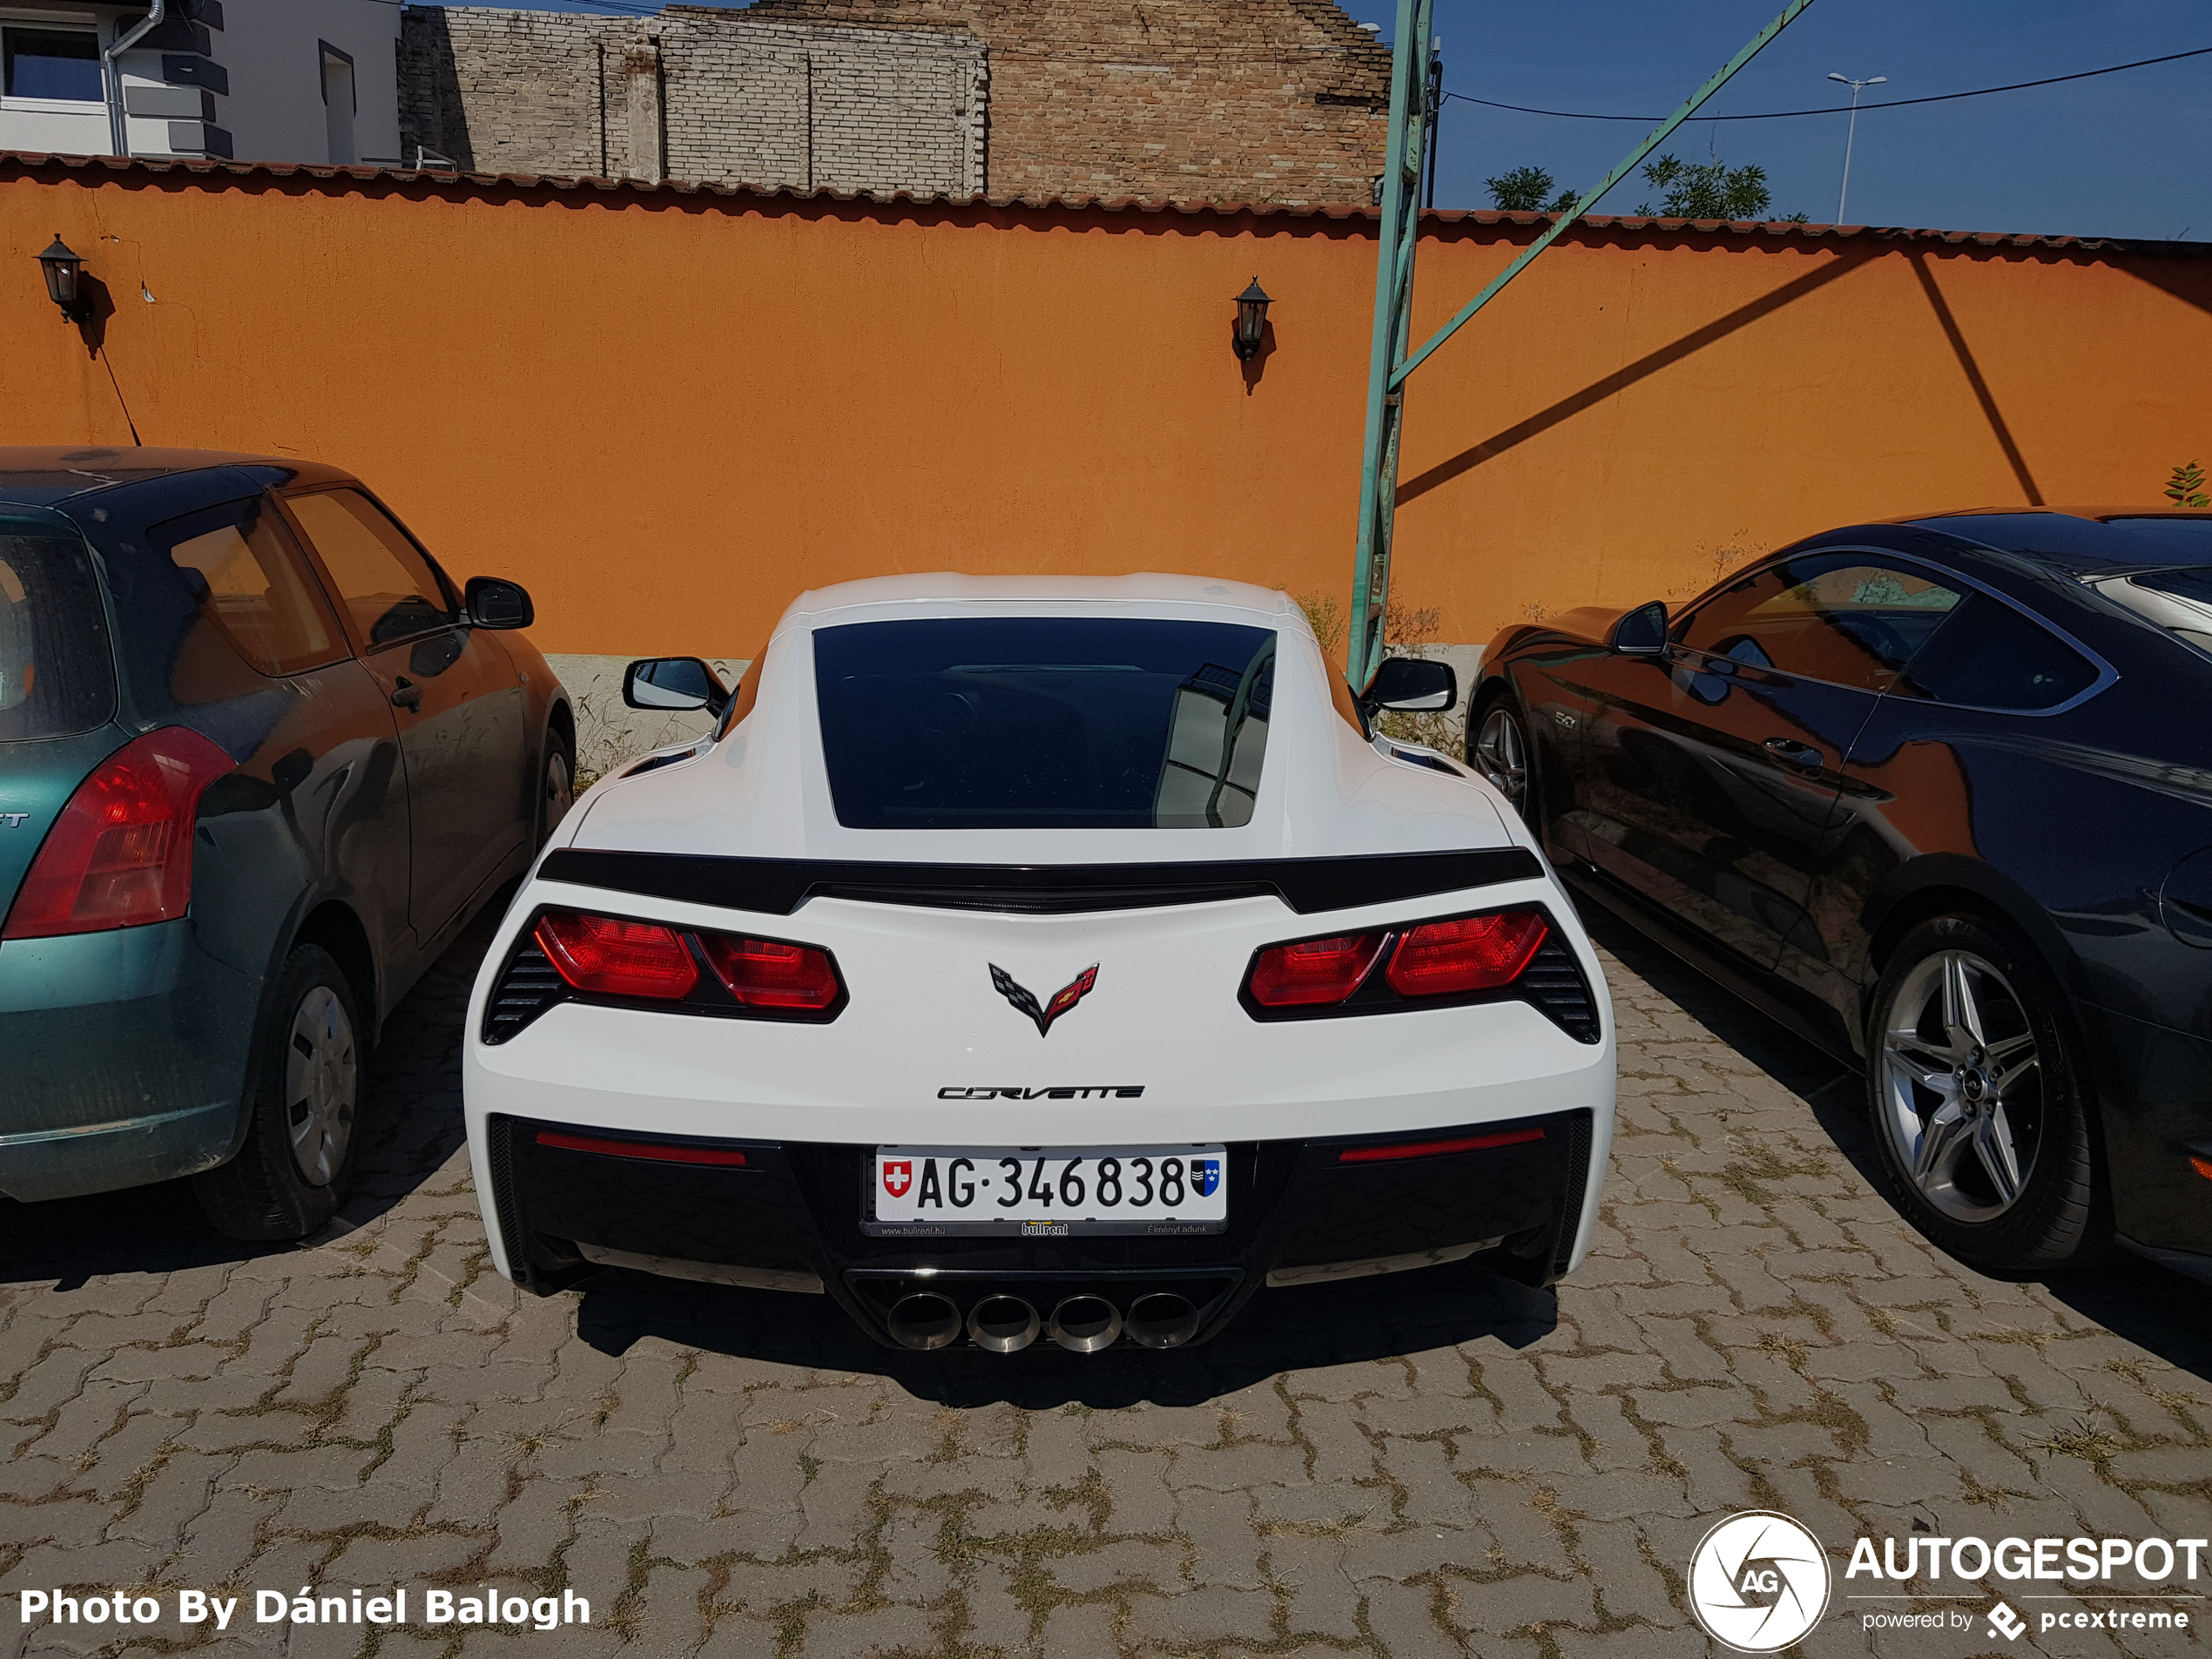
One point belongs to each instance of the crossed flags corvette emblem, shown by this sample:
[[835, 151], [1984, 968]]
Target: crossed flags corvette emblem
[[1025, 1000]]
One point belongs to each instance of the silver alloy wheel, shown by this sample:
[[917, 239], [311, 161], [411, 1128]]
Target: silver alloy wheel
[[560, 788], [321, 1077], [1961, 1086], [1503, 756]]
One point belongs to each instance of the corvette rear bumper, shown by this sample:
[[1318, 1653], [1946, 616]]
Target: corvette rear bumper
[[788, 1215]]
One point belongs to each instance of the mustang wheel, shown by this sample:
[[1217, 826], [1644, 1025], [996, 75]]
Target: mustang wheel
[[1500, 751], [303, 1096], [1978, 1104]]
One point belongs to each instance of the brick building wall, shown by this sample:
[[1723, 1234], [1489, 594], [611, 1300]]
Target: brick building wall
[[1182, 100], [696, 93]]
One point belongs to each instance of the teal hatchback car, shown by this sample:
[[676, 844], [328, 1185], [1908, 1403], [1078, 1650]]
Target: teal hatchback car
[[260, 761]]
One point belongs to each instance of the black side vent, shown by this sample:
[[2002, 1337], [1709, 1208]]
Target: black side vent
[[1555, 984], [501, 1136], [527, 987]]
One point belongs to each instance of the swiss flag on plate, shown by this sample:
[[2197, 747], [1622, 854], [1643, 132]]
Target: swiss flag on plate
[[898, 1175]]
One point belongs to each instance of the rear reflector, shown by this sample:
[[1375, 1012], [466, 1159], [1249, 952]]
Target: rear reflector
[[1436, 1149], [1313, 970], [654, 1151], [613, 958], [119, 855], [2202, 1166], [1473, 953], [763, 975]]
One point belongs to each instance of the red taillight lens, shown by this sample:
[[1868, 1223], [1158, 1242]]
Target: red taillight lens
[[617, 958], [1313, 970], [763, 975], [120, 854], [1474, 953]]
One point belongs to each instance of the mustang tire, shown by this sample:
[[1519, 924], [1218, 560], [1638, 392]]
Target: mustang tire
[[1981, 1107]]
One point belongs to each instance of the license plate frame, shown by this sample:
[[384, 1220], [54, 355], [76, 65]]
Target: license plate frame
[[911, 1216]]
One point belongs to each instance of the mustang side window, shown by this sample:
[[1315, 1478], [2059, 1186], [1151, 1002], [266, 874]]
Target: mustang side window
[[387, 584], [1988, 656], [1835, 617], [249, 581]]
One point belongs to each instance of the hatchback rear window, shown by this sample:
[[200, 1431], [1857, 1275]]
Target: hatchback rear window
[[56, 672], [1044, 723]]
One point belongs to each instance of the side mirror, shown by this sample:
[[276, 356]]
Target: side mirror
[[1413, 686], [494, 602], [673, 682], [1643, 633]]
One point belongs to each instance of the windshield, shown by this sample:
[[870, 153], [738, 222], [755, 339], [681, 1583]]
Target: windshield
[[56, 675], [2178, 601], [1044, 723]]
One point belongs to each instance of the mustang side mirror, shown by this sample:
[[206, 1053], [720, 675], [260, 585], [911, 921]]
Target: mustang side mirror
[[494, 602], [1413, 686], [1643, 633], [667, 683]]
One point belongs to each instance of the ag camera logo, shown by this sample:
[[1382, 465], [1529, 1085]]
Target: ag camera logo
[[1758, 1582]]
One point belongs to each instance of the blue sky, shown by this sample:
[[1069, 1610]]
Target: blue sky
[[2122, 155]]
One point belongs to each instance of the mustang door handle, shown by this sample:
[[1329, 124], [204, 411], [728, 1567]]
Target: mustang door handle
[[409, 695], [1790, 753]]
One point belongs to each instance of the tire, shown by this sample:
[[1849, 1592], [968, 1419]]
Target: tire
[[556, 785], [303, 1100], [1499, 748], [1979, 1102]]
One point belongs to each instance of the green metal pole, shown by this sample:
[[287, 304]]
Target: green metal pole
[[1635, 159], [1394, 288]]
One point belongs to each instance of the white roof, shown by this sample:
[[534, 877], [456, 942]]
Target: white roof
[[952, 588]]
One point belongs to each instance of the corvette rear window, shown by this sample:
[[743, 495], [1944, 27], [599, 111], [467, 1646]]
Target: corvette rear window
[[1044, 722]]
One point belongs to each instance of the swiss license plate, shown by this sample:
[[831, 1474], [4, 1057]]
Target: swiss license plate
[[1047, 1191]]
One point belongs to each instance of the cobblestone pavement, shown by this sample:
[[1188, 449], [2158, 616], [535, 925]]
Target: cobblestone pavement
[[1441, 1463]]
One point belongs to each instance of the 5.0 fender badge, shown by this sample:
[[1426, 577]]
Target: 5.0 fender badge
[[1025, 1000]]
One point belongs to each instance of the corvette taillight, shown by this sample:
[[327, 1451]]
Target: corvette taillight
[[762, 973], [1473, 953], [120, 854], [1313, 970], [614, 958]]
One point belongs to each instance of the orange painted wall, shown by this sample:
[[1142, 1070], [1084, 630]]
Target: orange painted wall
[[667, 412]]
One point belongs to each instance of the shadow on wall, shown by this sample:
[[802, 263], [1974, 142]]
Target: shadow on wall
[[432, 115]]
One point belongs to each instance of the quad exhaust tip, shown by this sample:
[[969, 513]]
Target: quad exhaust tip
[[1002, 1323], [1085, 1323], [924, 1321], [1162, 1319]]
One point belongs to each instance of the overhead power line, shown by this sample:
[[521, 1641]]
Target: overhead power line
[[1840, 109]]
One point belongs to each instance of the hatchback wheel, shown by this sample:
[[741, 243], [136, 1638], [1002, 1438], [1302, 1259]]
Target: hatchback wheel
[[303, 1100], [1500, 751], [1979, 1104], [558, 791]]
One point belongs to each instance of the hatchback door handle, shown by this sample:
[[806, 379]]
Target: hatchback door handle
[[406, 695], [1790, 753]]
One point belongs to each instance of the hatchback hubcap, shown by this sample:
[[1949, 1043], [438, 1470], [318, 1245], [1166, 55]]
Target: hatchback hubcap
[[1962, 1086], [560, 789], [1503, 756], [319, 1082]]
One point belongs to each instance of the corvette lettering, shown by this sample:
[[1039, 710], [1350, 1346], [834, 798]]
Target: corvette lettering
[[1052, 1091]]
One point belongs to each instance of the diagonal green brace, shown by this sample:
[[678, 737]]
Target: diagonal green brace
[[1388, 363]]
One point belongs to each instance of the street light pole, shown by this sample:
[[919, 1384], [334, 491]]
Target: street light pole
[[1852, 137]]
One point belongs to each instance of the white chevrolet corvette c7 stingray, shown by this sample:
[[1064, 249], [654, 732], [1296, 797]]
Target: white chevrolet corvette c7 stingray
[[1033, 956]]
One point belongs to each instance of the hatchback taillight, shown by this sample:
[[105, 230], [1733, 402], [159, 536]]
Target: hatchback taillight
[[119, 855], [762, 973], [614, 958], [1473, 954], [1313, 970]]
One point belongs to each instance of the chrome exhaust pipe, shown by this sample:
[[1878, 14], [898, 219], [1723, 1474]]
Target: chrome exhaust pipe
[[1002, 1323], [1162, 1319], [924, 1320], [1085, 1323]]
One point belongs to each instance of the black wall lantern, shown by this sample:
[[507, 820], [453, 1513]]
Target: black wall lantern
[[64, 272], [1251, 321]]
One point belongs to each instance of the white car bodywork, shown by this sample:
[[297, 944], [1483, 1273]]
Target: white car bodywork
[[924, 1019]]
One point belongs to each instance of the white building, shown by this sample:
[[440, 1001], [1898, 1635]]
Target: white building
[[258, 80]]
